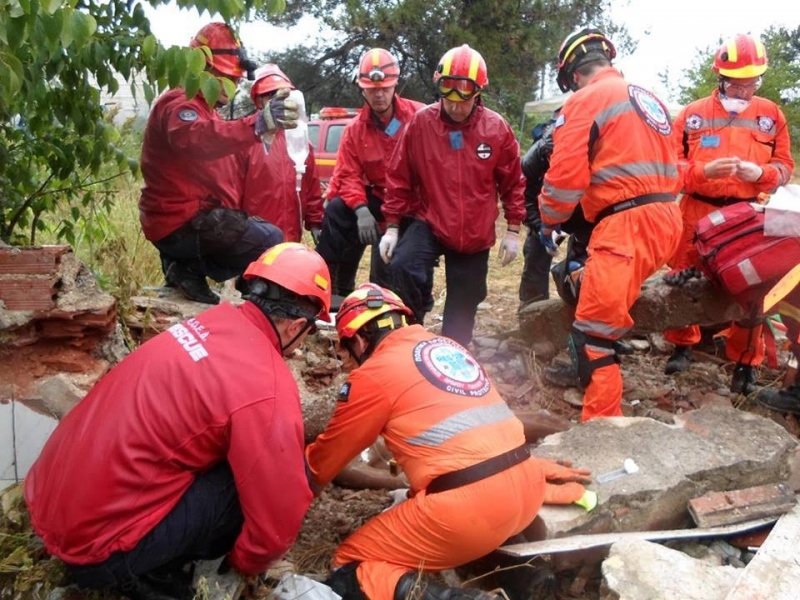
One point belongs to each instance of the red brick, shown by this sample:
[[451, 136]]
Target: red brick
[[40, 260], [28, 293]]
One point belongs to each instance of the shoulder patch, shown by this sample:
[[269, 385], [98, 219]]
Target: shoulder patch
[[451, 368], [344, 392], [188, 115], [650, 109]]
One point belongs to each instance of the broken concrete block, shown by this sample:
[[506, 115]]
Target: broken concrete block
[[774, 573], [737, 506], [636, 569], [703, 451]]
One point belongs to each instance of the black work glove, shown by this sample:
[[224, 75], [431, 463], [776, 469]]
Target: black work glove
[[680, 277], [315, 233], [368, 231]]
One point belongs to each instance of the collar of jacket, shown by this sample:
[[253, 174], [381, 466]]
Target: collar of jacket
[[259, 320]]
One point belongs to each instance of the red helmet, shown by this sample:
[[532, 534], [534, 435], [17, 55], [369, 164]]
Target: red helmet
[[741, 58], [377, 69], [298, 269], [582, 46], [461, 74], [268, 79], [226, 52], [367, 302]]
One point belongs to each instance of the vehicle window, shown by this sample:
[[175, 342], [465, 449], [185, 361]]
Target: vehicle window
[[313, 135], [334, 137]]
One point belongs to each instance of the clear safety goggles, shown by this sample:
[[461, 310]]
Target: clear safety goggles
[[732, 87], [457, 89]]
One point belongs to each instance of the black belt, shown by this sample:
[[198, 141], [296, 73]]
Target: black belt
[[721, 200], [632, 203], [479, 471]]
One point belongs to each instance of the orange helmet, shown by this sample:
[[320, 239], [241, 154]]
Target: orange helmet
[[298, 269], [582, 46], [377, 69], [461, 74], [268, 79], [366, 303], [741, 58], [227, 54]]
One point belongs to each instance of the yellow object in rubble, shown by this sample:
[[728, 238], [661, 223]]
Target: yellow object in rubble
[[588, 500]]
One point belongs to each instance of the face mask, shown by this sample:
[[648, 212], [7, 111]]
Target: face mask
[[734, 106]]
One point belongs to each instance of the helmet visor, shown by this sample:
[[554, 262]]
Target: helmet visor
[[457, 89]]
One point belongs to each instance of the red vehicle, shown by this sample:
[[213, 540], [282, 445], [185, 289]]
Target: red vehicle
[[326, 133]]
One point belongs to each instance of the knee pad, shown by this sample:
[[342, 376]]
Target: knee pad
[[344, 582], [581, 361]]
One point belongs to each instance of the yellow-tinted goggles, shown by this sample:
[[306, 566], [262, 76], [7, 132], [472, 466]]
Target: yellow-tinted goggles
[[457, 89]]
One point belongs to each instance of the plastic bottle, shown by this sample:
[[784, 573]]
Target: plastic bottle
[[297, 139]]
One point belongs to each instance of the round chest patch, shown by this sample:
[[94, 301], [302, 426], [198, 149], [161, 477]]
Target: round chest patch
[[188, 115], [694, 122], [449, 367], [484, 151], [765, 124], [650, 109]]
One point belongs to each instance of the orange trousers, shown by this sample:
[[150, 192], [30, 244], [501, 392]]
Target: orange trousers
[[624, 250], [742, 344], [441, 531]]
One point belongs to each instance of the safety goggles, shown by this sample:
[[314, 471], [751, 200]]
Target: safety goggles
[[731, 87], [246, 64], [457, 89]]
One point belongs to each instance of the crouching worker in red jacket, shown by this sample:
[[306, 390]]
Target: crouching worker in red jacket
[[473, 481], [191, 447]]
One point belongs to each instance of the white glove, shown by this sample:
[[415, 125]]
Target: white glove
[[387, 244], [398, 497], [509, 247], [748, 171]]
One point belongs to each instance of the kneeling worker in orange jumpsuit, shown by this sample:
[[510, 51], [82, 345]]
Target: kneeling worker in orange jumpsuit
[[473, 481], [613, 155]]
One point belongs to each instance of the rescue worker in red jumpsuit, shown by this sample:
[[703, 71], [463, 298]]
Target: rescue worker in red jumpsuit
[[473, 481], [456, 158], [613, 155], [270, 178], [353, 216], [733, 146], [190, 207], [191, 447]]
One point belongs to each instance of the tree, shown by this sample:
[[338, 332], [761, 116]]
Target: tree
[[516, 38], [57, 149], [781, 82]]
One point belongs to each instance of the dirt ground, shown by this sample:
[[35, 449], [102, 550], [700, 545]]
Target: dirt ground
[[517, 373]]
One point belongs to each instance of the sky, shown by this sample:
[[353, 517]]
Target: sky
[[671, 36]]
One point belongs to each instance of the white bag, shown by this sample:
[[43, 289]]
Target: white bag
[[782, 212], [296, 587]]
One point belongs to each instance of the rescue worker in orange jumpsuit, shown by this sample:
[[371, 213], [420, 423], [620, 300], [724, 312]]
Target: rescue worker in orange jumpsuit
[[613, 155], [473, 481], [787, 399], [190, 207], [270, 178], [191, 447], [733, 146], [455, 160], [353, 216]]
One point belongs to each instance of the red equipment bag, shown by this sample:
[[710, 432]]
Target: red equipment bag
[[735, 253]]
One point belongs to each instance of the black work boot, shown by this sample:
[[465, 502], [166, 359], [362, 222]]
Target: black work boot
[[344, 582], [679, 361], [414, 586], [192, 285], [743, 380], [562, 374], [623, 348], [784, 400]]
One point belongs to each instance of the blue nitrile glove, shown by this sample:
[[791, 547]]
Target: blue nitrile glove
[[546, 238]]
